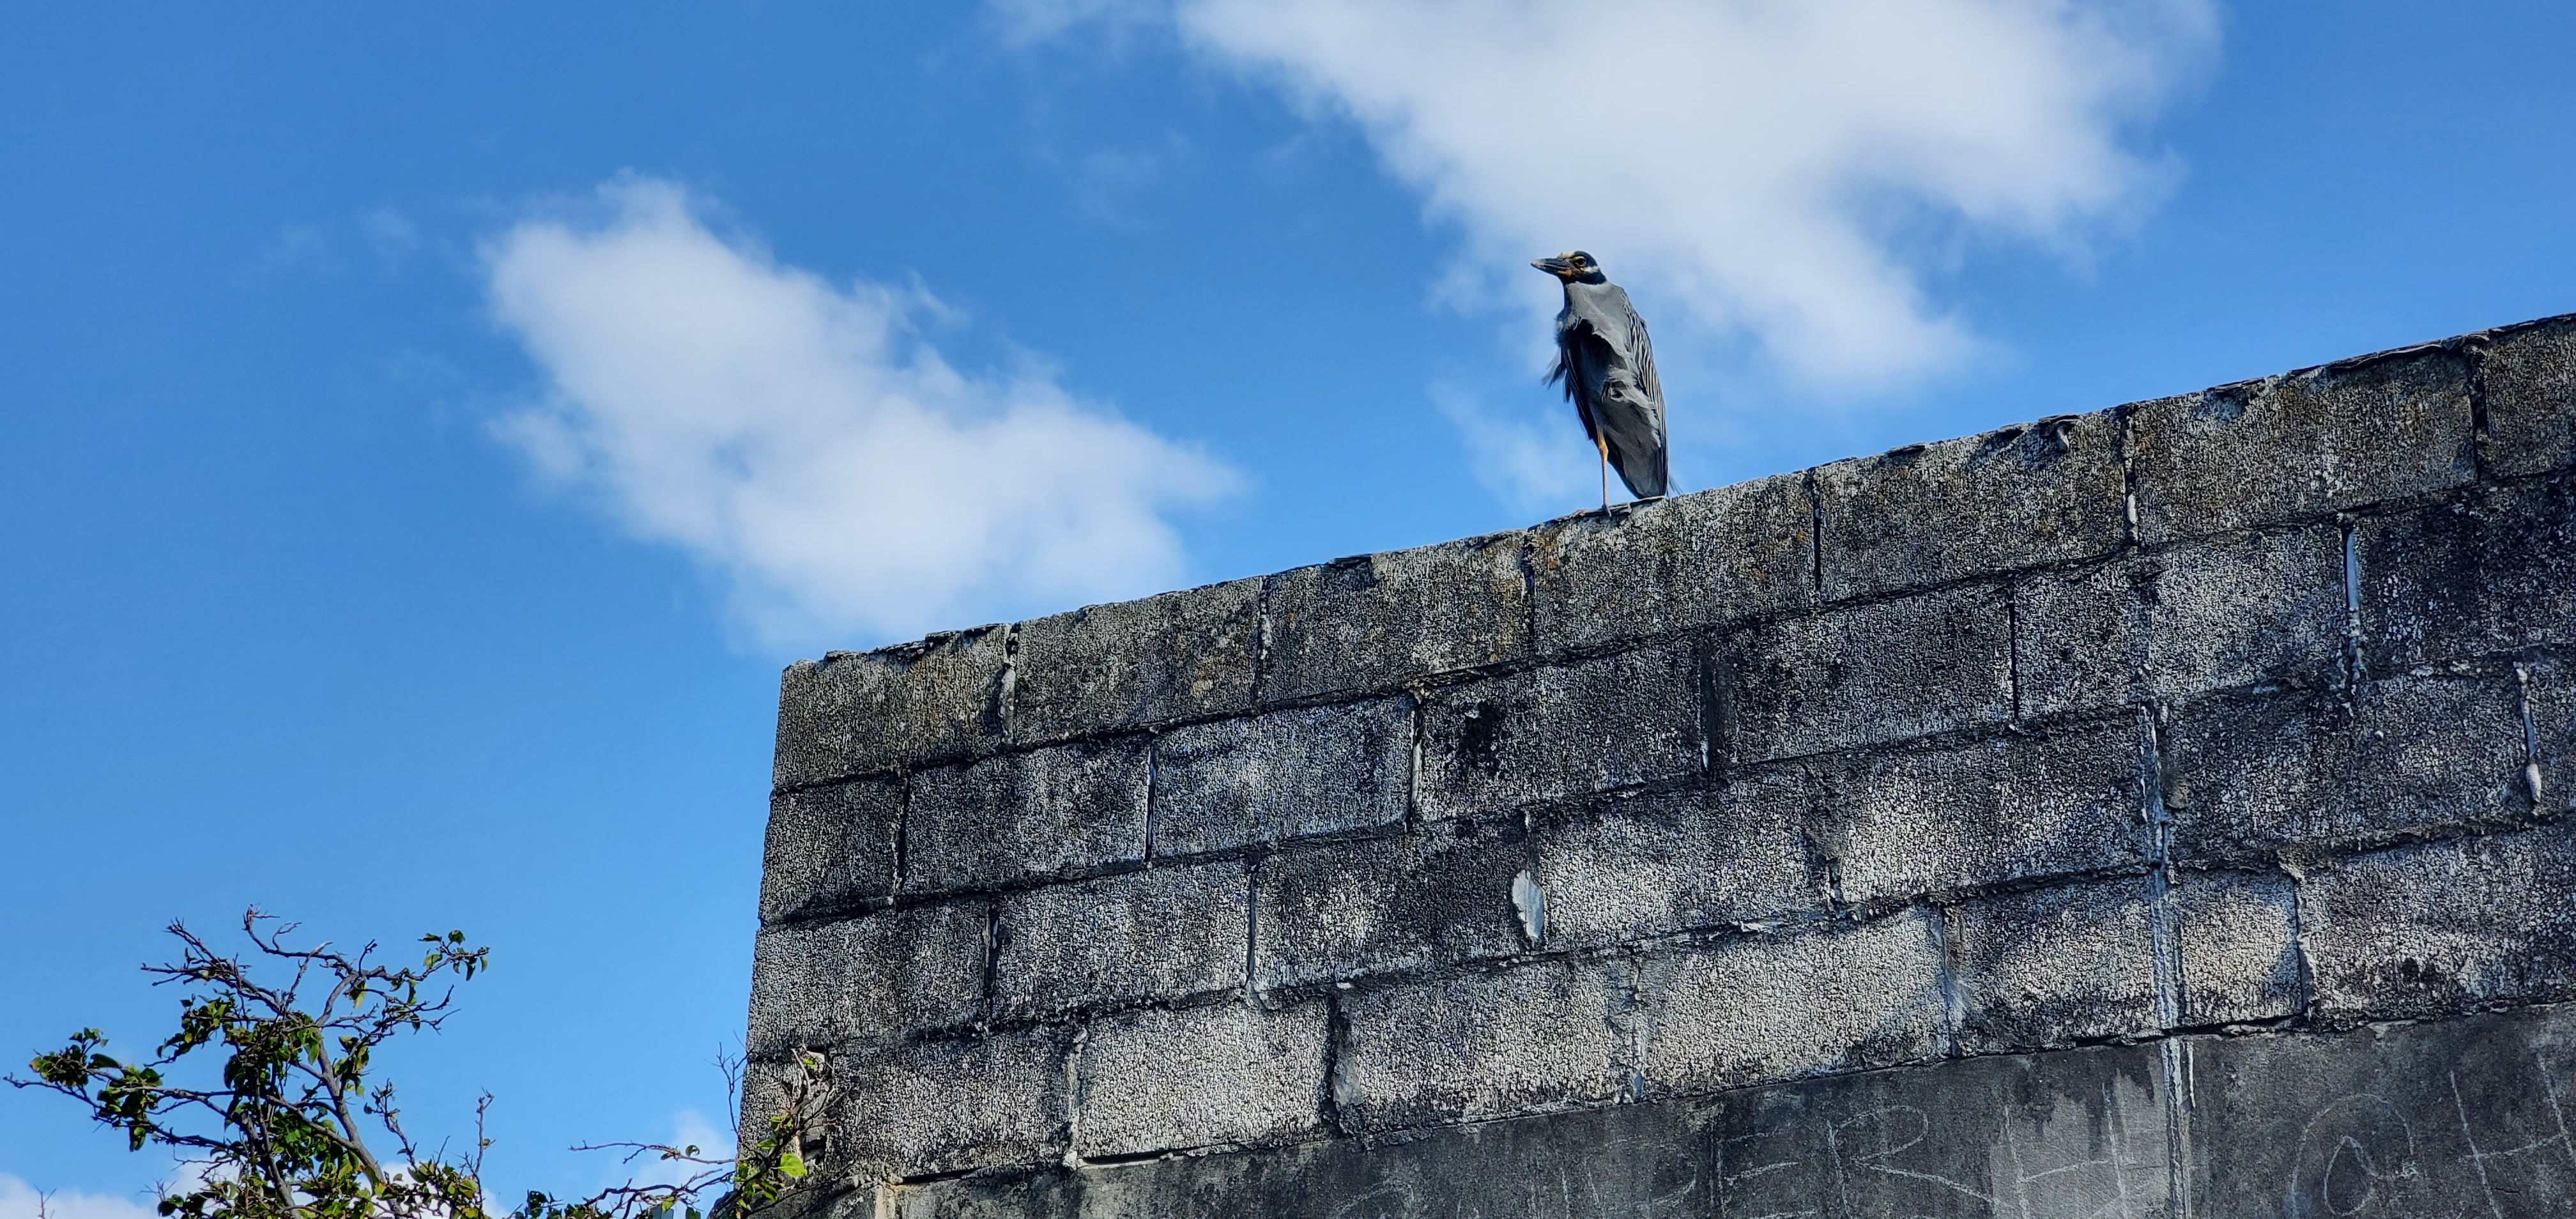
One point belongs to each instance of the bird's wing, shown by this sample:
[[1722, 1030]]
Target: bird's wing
[[1641, 352]]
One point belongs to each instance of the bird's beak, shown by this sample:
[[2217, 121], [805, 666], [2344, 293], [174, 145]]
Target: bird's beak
[[1556, 266]]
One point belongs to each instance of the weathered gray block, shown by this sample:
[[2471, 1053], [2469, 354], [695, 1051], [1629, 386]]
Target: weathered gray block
[[2057, 967], [1288, 774], [856, 712], [1162, 1080], [1162, 933], [1770, 1008], [830, 847], [2550, 690], [2528, 376], [1709, 558], [952, 1106], [1901, 823], [2486, 574], [1106, 667], [1630, 869], [2250, 774], [1524, 1040], [2442, 928], [2227, 612], [1561, 731], [2236, 937], [1057, 811], [1344, 910], [2300, 445], [870, 980], [1867, 674], [1378, 621], [1933, 513]]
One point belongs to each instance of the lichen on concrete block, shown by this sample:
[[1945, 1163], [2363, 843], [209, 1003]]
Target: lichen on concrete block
[[1332, 911], [1160, 933], [1634, 868], [2246, 610], [1527, 1039], [1132, 663], [1933, 513], [1773, 1007], [874, 979], [830, 848], [953, 1105], [1376, 622], [2057, 967], [2528, 377], [2483, 574], [1899, 823], [1705, 559], [1867, 674], [2247, 775], [2442, 928], [2302, 445], [860, 712], [2236, 939], [1561, 731], [1057, 811], [1162, 1079], [1288, 774]]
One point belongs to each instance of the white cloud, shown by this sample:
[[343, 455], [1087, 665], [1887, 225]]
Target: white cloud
[[804, 441], [1786, 169], [1535, 461], [19, 1200]]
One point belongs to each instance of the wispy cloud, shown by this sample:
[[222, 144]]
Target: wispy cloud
[[806, 443], [19, 1200], [1536, 461], [1784, 169]]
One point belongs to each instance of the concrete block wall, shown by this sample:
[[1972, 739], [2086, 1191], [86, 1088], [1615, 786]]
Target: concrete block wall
[[2000, 781]]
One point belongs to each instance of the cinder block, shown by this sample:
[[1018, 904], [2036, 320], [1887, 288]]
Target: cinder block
[[1110, 667], [867, 980], [1057, 811], [1288, 774], [2261, 608], [1934, 513], [1527, 1039], [2301, 445], [855, 713], [830, 848], [2528, 375], [2249, 774], [1630, 869], [1162, 933], [1375, 622], [2057, 966], [1566, 730], [1705, 559], [1164, 1080], [2485, 574], [1770, 1008], [1893, 825], [2237, 938], [953, 1106], [1868, 674], [1343, 910], [2441, 928]]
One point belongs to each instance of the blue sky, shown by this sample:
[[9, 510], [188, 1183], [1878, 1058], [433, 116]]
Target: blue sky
[[427, 434]]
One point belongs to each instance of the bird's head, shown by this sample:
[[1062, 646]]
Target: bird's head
[[1574, 267]]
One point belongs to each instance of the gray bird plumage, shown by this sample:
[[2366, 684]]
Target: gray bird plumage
[[1608, 368]]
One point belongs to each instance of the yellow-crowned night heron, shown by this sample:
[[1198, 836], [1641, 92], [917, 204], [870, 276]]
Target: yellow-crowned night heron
[[1608, 369]]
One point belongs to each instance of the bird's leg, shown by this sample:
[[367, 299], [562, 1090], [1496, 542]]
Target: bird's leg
[[1604, 441]]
